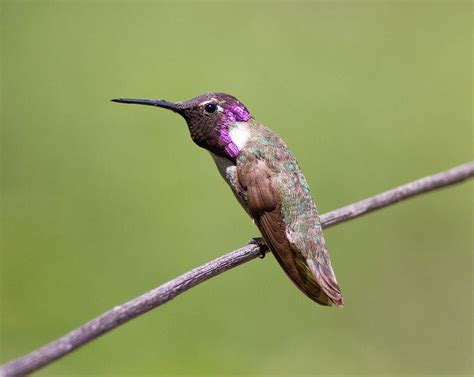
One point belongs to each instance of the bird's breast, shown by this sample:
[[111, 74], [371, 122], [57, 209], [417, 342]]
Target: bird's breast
[[239, 133], [225, 166]]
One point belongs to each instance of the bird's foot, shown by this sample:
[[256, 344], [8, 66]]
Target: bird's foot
[[260, 242]]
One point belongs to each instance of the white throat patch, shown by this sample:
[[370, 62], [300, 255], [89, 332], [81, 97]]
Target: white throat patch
[[239, 133]]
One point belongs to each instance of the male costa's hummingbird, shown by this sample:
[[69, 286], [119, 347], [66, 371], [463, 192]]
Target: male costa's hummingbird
[[267, 181]]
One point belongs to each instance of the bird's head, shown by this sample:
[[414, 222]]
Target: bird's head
[[210, 118]]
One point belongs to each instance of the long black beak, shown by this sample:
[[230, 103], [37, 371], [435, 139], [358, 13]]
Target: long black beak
[[150, 102]]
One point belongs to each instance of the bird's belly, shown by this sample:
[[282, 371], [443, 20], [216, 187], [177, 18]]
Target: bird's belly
[[225, 166], [228, 171]]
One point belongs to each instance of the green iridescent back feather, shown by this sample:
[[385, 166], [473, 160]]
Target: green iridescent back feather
[[297, 208]]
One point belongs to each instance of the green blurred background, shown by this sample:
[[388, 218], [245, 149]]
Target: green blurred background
[[102, 202]]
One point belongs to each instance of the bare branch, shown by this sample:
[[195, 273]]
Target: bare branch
[[168, 291], [432, 182]]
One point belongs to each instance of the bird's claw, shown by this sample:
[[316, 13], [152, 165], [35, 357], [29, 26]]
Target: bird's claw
[[260, 242]]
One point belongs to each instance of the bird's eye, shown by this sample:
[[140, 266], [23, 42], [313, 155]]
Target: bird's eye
[[210, 107]]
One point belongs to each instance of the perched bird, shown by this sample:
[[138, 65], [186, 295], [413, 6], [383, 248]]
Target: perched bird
[[267, 181]]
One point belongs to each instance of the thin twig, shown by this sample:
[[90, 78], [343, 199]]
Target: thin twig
[[166, 292]]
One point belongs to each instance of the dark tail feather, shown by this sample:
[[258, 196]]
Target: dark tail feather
[[327, 280]]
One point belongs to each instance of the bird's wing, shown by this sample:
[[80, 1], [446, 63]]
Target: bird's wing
[[264, 205]]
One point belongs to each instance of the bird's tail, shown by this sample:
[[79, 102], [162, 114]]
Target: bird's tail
[[326, 279]]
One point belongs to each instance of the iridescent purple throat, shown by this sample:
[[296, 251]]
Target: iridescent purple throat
[[234, 112]]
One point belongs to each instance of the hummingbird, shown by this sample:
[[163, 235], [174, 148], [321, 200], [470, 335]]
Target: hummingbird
[[267, 181]]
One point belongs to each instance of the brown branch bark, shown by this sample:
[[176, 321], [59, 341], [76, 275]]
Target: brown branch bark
[[168, 291]]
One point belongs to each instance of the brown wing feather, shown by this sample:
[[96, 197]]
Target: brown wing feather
[[264, 206]]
